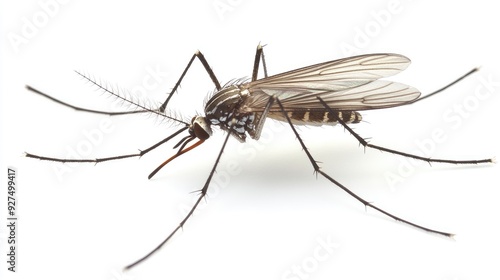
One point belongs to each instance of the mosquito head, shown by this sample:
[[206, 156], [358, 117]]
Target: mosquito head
[[200, 128]]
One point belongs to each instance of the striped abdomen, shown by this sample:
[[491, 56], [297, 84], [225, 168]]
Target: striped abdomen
[[317, 117]]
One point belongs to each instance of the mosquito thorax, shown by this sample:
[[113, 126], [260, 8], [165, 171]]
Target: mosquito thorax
[[222, 104], [223, 109], [200, 128]]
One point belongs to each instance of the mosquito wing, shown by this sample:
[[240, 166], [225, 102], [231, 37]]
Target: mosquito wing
[[345, 84]]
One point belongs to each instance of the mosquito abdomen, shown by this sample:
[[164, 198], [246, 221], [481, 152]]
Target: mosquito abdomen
[[320, 117]]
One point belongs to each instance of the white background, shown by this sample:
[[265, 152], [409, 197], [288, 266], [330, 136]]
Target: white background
[[271, 218]]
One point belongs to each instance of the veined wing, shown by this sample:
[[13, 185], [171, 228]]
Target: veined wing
[[375, 95], [335, 75], [345, 84]]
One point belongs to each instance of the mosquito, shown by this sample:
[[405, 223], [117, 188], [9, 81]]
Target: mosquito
[[327, 93]]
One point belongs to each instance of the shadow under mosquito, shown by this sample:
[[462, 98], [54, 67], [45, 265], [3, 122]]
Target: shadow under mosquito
[[287, 165]]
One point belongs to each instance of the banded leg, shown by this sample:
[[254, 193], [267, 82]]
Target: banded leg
[[365, 144], [344, 188]]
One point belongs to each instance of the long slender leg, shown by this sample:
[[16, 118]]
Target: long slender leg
[[203, 61], [365, 144], [202, 191], [259, 55], [447, 86], [97, 160], [198, 54], [357, 197]]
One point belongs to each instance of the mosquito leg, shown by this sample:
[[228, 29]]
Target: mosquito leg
[[447, 86], [80, 108], [203, 61], [259, 55], [97, 160], [357, 197], [365, 144], [144, 110], [202, 191]]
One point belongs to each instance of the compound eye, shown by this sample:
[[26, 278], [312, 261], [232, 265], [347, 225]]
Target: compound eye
[[201, 128]]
